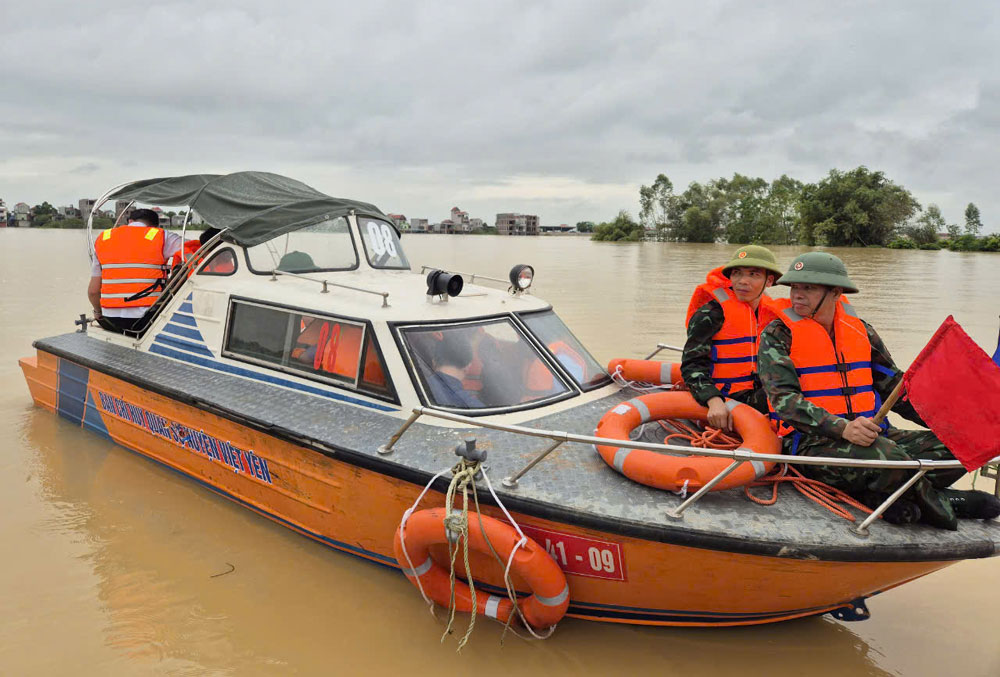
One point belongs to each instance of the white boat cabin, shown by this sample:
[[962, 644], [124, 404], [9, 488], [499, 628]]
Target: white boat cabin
[[333, 309]]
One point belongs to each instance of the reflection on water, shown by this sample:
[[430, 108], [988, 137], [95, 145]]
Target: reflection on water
[[117, 561]]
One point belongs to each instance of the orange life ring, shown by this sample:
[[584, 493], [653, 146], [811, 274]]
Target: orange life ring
[[550, 592], [671, 472], [647, 371]]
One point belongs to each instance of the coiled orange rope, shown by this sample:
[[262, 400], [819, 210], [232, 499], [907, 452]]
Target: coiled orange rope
[[831, 498]]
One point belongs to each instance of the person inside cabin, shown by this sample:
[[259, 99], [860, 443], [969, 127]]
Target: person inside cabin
[[191, 247], [450, 361], [724, 319], [129, 270], [826, 373]]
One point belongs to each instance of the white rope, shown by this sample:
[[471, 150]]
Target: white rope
[[521, 543], [506, 574], [683, 493], [640, 386], [402, 536]]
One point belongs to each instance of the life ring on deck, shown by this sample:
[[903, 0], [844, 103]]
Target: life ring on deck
[[673, 472], [550, 592], [647, 371]]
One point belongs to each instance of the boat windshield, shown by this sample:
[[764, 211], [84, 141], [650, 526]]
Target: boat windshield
[[481, 365], [326, 246], [566, 349], [381, 244]]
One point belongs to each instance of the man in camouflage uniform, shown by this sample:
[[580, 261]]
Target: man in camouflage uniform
[[818, 275], [759, 268]]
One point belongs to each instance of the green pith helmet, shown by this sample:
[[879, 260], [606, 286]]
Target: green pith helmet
[[753, 256], [819, 268]]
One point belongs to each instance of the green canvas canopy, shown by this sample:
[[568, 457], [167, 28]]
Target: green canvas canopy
[[252, 207]]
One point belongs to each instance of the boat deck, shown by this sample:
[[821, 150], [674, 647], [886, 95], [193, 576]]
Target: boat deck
[[572, 485]]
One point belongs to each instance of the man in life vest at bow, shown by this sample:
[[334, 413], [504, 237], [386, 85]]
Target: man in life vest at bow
[[724, 320], [826, 373], [128, 271]]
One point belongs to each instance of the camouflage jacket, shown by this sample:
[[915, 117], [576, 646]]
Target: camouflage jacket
[[696, 363], [781, 383]]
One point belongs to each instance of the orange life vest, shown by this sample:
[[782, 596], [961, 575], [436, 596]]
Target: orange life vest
[[734, 346], [836, 376], [186, 252], [131, 259]]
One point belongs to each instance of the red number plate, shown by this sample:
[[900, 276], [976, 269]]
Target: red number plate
[[580, 556]]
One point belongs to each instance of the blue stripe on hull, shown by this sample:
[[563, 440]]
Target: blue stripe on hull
[[183, 319], [72, 390], [93, 420], [170, 342], [183, 331]]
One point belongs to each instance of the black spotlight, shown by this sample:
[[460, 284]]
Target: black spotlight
[[521, 277], [439, 282]]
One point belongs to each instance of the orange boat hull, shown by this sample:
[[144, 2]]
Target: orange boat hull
[[357, 510]]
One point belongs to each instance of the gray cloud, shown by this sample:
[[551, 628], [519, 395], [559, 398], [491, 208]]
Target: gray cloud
[[563, 108]]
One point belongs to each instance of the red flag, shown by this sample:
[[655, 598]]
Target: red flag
[[955, 387]]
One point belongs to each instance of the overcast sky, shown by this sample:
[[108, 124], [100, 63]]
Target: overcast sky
[[561, 109]]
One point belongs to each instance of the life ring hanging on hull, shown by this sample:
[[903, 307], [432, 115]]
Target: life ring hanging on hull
[[550, 593], [674, 472]]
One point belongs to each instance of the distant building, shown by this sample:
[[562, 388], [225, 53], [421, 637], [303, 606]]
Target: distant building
[[418, 225], [3, 215], [400, 221], [447, 226], [517, 224], [164, 217], [86, 205], [120, 206], [477, 224], [22, 215], [460, 221], [68, 212], [561, 228]]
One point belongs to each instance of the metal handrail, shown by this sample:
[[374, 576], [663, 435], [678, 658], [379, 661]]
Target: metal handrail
[[325, 283], [472, 276], [663, 346], [738, 456]]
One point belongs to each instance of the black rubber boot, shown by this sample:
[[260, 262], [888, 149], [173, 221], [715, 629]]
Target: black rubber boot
[[903, 511], [973, 504], [935, 509]]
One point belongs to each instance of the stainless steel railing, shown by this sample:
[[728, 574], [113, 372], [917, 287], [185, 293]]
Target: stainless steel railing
[[738, 457], [327, 284], [471, 276]]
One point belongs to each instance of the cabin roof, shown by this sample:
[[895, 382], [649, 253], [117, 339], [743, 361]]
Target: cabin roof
[[252, 207]]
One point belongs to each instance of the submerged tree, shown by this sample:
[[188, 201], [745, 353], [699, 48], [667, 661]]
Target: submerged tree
[[654, 203], [973, 224], [781, 211], [854, 208], [925, 228], [622, 229], [696, 215]]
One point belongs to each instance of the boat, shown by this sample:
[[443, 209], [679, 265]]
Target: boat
[[297, 365]]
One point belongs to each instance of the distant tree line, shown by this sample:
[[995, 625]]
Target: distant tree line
[[856, 208], [47, 216]]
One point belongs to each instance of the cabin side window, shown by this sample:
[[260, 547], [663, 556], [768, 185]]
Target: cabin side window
[[334, 350], [222, 262]]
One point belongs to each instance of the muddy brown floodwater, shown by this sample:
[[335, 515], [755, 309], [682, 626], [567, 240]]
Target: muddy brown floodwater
[[110, 562]]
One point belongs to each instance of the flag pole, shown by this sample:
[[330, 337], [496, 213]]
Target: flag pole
[[883, 411]]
